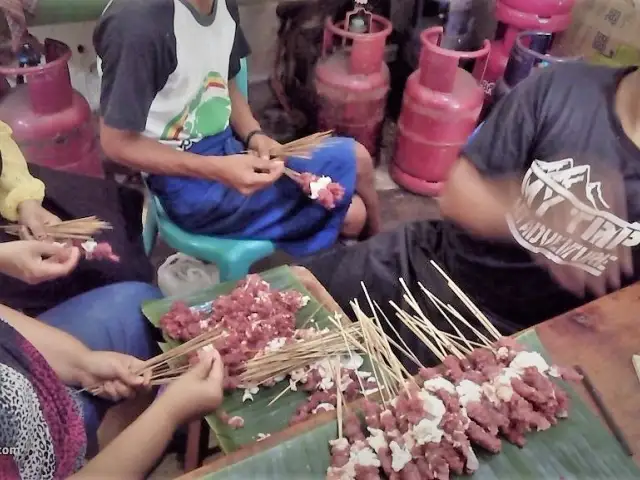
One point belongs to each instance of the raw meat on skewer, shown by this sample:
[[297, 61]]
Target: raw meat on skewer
[[321, 189]]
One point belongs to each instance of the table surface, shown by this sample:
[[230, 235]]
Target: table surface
[[601, 337]]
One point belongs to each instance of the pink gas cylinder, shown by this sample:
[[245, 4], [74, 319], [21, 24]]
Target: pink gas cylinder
[[51, 122], [514, 17], [440, 108], [352, 79]]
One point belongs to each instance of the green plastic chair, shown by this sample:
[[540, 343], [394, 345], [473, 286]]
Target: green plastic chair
[[232, 257]]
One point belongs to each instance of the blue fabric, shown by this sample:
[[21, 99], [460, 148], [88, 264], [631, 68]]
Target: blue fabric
[[107, 318], [281, 213]]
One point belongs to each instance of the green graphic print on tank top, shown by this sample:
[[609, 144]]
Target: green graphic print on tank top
[[207, 114]]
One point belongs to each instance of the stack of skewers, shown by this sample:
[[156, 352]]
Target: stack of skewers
[[427, 427], [79, 233]]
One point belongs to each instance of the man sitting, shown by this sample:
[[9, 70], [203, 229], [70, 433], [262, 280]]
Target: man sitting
[[169, 104], [541, 208]]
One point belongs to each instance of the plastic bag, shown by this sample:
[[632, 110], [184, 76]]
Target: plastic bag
[[181, 274]]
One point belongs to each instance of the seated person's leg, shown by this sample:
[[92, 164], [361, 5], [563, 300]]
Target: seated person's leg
[[108, 318]]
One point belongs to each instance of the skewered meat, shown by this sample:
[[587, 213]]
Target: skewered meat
[[321, 189]]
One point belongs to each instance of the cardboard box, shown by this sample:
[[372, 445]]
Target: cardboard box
[[603, 31]]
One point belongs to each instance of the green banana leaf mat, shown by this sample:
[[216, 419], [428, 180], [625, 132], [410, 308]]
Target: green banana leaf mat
[[258, 416], [580, 447]]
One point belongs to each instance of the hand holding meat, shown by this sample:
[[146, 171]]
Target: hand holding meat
[[35, 262], [34, 217], [114, 372], [199, 391], [249, 173]]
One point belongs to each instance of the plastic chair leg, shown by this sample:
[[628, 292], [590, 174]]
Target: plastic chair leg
[[233, 271], [150, 230]]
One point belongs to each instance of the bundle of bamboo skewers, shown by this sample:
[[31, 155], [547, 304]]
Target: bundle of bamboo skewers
[[79, 229], [301, 148]]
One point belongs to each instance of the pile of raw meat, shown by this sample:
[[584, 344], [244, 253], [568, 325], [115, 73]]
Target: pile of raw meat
[[429, 430], [254, 320], [321, 189]]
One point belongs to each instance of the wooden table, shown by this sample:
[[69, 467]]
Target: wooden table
[[601, 337]]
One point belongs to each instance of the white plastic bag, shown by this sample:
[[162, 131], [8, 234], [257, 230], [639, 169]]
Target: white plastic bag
[[181, 274]]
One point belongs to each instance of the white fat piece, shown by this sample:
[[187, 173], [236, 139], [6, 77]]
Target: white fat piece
[[502, 353], [323, 407], [427, 431], [275, 344], [89, 246], [472, 460], [499, 389], [468, 392], [433, 406], [351, 362], [262, 436], [439, 383], [525, 360], [399, 456], [363, 455], [317, 185], [340, 443], [376, 439], [249, 392], [554, 371]]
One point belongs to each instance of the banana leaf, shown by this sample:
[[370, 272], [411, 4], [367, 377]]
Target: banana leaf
[[579, 448], [258, 416]]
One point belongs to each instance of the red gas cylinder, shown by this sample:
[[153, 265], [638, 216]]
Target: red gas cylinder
[[352, 79], [514, 17], [51, 122], [440, 108]]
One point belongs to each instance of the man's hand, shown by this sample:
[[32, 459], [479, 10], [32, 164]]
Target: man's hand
[[34, 217], [248, 173], [114, 372], [35, 262], [263, 145], [197, 392]]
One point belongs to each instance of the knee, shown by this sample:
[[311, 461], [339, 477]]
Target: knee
[[355, 219], [364, 162]]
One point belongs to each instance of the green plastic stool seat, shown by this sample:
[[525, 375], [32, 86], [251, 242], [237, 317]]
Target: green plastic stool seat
[[232, 257]]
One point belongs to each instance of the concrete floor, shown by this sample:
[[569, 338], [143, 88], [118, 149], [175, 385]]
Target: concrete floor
[[398, 207]]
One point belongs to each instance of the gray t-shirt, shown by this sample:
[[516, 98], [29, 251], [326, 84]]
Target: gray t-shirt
[[559, 130], [165, 67]]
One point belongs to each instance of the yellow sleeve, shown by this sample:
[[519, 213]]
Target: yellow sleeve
[[16, 183]]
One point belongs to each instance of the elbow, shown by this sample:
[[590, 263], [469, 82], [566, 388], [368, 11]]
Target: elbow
[[115, 144]]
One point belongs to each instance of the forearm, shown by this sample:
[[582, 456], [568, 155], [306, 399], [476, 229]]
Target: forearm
[[62, 352], [478, 205], [242, 119], [134, 452], [147, 155]]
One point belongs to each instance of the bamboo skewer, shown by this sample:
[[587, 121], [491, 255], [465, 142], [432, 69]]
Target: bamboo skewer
[[468, 303], [433, 299], [77, 229]]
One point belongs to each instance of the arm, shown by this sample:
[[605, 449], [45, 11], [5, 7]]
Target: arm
[[16, 183], [133, 453], [242, 119], [136, 151], [62, 351], [491, 199], [487, 176]]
